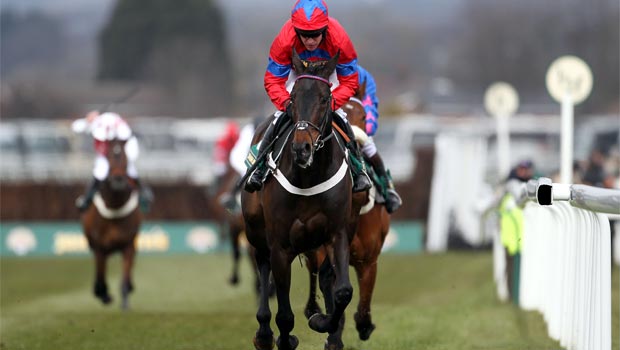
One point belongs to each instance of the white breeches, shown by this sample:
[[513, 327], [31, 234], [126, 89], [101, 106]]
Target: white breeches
[[367, 143], [369, 147], [241, 148], [102, 167]]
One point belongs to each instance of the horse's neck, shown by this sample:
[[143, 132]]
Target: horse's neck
[[114, 199], [326, 161]]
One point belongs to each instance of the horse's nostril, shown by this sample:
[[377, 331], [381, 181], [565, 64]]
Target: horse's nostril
[[307, 147]]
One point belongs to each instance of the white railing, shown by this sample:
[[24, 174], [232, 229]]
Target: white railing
[[566, 261]]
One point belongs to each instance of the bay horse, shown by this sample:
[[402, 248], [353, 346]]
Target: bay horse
[[112, 223], [305, 205], [373, 227]]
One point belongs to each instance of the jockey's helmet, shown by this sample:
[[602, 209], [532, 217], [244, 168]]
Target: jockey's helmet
[[309, 17]]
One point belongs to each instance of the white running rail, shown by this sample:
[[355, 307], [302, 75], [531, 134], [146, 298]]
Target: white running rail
[[566, 261]]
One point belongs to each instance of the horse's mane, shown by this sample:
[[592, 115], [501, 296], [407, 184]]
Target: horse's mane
[[314, 67]]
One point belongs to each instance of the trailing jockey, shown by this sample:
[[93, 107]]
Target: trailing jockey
[[371, 105], [104, 128]]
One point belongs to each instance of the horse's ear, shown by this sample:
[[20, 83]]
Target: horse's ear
[[299, 66], [331, 64]]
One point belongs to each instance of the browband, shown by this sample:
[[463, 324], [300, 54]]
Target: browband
[[308, 76]]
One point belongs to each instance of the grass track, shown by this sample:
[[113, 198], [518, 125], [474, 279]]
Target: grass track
[[183, 302]]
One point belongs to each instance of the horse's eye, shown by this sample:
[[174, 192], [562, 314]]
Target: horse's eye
[[325, 99]]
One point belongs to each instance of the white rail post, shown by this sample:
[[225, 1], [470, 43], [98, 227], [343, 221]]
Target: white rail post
[[569, 81], [566, 261]]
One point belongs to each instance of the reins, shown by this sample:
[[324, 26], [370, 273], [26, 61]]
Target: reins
[[303, 125]]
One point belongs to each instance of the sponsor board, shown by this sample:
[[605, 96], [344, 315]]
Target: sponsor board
[[200, 237]]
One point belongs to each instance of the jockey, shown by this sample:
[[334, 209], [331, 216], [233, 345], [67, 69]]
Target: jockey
[[315, 36], [238, 155], [241, 148], [371, 104], [223, 147], [104, 128]]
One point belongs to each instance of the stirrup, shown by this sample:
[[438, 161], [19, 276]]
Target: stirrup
[[255, 181]]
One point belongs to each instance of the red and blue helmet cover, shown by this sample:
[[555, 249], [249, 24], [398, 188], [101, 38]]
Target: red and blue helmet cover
[[309, 15]]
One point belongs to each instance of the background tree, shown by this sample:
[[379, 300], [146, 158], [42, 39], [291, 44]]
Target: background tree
[[178, 45], [27, 40], [517, 42]]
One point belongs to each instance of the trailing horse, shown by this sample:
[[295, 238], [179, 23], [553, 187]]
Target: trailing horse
[[231, 221], [373, 227], [112, 223], [306, 204]]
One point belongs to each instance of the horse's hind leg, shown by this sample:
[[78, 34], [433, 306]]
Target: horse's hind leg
[[338, 254], [101, 287], [263, 340], [313, 270], [366, 275], [234, 241], [272, 288], [129, 254], [326, 282]]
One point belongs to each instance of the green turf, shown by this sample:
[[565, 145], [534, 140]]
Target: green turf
[[184, 302]]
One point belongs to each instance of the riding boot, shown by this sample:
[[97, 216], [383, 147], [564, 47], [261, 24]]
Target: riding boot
[[83, 201], [361, 182], [228, 199], [392, 199], [145, 195], [255, 182]]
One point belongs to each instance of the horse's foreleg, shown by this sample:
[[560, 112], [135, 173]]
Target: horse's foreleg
[[366, 275], [129, 254], [263, 340], [101, 287], [313, 271], [285, 319]]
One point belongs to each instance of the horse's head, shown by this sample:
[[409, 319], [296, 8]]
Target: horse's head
[[356, 114], [117, 175], [310, 108]]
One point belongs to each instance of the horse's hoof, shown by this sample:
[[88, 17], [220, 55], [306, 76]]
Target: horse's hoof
[[365, 331], [337, 346], [261, 344], [364, 325], [312, 309], [320, 323], [292, 343], [234, 280], [105, 299]]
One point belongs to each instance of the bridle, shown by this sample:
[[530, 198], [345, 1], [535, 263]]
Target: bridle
[[305, 125]]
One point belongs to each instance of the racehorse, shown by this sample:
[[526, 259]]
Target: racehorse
[[373, 227], [305, 205], [231, 221], [112, 223]]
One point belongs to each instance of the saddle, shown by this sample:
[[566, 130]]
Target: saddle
[[274, 153], [285, 133]]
